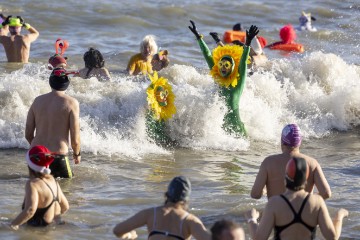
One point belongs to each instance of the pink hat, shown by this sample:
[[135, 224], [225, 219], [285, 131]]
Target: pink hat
[[39, 159], [291, 135]]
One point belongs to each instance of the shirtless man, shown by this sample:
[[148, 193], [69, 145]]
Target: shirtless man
[[272, 169], [17, 46], [54, 115], [227, 230]]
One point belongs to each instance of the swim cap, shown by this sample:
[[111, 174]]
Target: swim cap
[[15, 22], [39, 159], [291, 135], [297, 172], [56, 60], [179, 189], [59, 80]]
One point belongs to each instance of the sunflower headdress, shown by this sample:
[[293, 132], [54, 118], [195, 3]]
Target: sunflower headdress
[[160, 98], [233, 51]]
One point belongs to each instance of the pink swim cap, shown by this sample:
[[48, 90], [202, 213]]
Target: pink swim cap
[[291, 135]]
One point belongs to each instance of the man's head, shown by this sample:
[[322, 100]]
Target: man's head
[[226, 65], [227, 230], [15, 25], [179, 190], [297, 172], [291, 136], [59, 80]]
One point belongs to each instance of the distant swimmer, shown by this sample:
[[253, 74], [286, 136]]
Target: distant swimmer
[[305, 22], [169, 221], [94, 66], [272, 170], [287, 43], [228, 67], [51, 119], [17, 46], [44, 201], [141, 63]]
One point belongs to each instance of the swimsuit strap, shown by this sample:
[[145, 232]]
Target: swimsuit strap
[[288, 202], [55, 198], [154, 223], [182, 222]]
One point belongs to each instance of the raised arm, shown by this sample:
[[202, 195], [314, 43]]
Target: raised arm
[[216, 38], [197, 229], [204, 48], [34, 34]]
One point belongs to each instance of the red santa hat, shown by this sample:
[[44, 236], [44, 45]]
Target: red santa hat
[[39, 159]]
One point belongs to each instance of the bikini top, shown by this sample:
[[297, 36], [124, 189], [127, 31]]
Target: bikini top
[[38, 218], [166, 233], [297, 219]]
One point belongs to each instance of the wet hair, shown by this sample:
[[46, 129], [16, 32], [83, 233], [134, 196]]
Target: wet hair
[[220, 226], [179, 190], [35, 174], [93, 59], [149, 40]]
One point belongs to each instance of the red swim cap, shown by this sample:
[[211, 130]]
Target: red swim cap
[[297, 171]]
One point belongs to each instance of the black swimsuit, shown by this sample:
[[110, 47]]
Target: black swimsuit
[[165, 233], [38, 219], [297, 219]]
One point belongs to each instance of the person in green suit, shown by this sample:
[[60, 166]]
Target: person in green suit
[[228, 65]]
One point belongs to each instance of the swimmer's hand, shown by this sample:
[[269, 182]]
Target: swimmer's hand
[[194, 30], [10, 226], [130, 235], [7, 20], [253, 31], [215, 36]]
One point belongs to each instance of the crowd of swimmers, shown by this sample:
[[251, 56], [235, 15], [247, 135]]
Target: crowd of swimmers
[[288, 179]]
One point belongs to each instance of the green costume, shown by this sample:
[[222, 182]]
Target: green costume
[[232, 121]]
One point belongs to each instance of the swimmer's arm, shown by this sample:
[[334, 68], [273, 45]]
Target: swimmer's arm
[[31, 203], [243, 69], [267, 222], [321, 183], [326, 225], [260, 182], [105, 76], [127, 226], [206, 53], [197, 229], [75, 130], [34, 34], [64, 204], [30, 126], [131, 66]]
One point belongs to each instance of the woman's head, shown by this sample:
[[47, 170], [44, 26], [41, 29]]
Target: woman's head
[[297, 172], [39, 159], [93, 59], [148, 46], [179, 190]]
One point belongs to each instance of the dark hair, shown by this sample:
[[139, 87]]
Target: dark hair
[[220, 226], [93, 59], [237, 27], [34, 174]]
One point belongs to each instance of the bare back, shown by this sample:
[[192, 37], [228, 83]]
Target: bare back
[[278, 213], [17, 47], [272, 175], [53, 116]]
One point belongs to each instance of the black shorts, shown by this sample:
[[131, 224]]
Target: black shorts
[[60, 167]]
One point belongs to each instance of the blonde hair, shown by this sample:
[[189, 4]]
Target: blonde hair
[[149, 40]]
